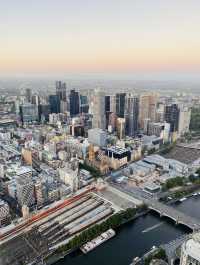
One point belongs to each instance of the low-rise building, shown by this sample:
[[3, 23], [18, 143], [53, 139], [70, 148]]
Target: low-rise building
[[69, 176]]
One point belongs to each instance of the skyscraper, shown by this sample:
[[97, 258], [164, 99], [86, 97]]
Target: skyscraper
[[184, 120], [74, 102], [132, 114], [120, 104], [147, 109], [120, 128], [35, 99], [112, 122], [84, 106], [172, 116], [54, 102], [61, 90], [98, 110], [29, 113], [28, 94], [44, 111], [113, 103], [107, 109]]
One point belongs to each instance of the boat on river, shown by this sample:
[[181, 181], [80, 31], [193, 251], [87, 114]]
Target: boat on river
[[89, 246], [183, 199]]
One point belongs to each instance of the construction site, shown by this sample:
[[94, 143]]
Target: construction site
[[30, 241]]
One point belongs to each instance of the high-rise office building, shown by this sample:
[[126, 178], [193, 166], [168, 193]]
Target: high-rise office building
[[107, 103], [28, 95], [40, 193], [98, 110], [35, 99], [54, 102], [61, 90], [172, 116], [153, 101], [107, 109], [120, 128], [159, 129], [29, 113], [64, 106], [25, 191], [120, 104], [147, 109], [112, 122], [74, 102], [184, 120], [160, 112], [113, 103], [84, 106], [44, 111], [132, 114]]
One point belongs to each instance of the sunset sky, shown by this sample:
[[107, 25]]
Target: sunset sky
[[88, 36]]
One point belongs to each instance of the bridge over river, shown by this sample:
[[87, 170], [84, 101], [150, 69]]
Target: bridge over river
[[162, 209], [174, 214]]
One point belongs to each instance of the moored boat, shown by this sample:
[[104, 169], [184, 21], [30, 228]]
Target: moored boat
[[89, 246]]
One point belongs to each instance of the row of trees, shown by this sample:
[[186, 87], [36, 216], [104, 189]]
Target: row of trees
[[185, 189], [195, 120], [166, 148], [112, 222]]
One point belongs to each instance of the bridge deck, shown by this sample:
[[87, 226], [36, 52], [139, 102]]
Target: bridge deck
[[178, 216], [163, 209]]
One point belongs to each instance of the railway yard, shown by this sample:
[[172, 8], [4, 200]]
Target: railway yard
[[33, 239]]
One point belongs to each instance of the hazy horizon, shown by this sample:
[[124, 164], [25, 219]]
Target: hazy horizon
[[165, 77], [119, 37]]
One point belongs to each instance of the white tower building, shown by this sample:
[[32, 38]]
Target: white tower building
[[190, 251]]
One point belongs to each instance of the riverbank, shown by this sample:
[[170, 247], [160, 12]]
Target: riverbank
[[114, 222], [130, 241], [135, 238]]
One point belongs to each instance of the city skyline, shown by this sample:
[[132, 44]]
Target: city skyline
[[99, 132], [100, 37]]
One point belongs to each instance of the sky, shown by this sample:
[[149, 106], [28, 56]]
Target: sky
[[99, 36]]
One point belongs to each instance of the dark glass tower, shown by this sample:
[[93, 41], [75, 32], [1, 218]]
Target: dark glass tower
[[172, 116], [107, 109], [84, 106], [120, 104], [54, 102], [132, 115], [74, 102]]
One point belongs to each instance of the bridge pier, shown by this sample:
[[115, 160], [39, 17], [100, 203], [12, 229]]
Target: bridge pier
[[173, 214]]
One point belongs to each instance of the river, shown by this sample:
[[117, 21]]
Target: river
[[135, 238]]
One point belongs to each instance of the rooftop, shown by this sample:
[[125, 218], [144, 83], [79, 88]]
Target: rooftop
[[117, 149]]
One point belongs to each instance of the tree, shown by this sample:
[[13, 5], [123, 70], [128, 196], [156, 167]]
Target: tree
[[174, 182], [113, 221], [195, 119]]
